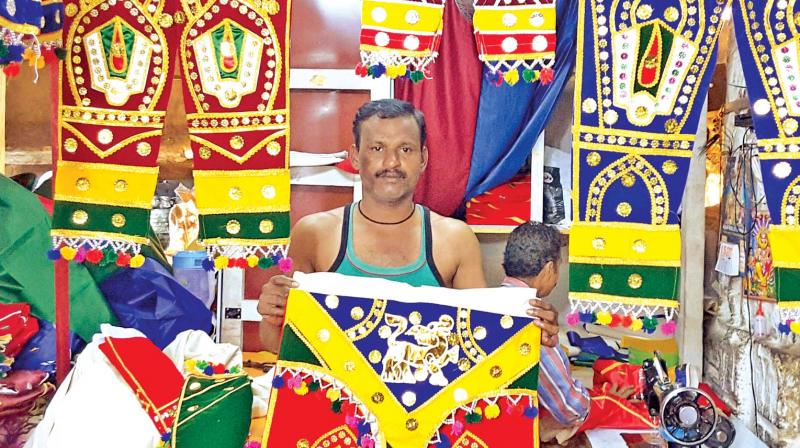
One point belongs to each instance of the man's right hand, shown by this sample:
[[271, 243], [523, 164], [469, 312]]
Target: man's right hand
[[272, 301]]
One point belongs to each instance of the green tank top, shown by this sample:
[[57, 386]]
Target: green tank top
[[421, 272]]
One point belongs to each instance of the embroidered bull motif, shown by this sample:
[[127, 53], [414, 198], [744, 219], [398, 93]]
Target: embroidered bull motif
[[412, 362]]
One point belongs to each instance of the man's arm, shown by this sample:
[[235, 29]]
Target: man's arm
[[469, 273], [272, 301], [560, 394]]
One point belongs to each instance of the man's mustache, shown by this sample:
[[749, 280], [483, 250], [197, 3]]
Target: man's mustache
[[391, 173]]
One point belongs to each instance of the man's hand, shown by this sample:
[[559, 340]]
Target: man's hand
[[546, 318], [272, 301]]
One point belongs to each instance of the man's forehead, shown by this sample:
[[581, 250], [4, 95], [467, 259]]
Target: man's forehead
[[396, 127]]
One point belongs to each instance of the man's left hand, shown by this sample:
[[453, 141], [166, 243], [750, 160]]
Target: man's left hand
[[546, 318]]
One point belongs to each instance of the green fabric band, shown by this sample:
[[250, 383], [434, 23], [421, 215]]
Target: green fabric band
[[249, 226], [787, 284], [101, 218], [656, 282]]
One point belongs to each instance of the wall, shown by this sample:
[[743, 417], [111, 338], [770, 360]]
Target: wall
[[758, 378]]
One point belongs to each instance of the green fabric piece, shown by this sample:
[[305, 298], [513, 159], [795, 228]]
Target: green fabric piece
[[137, 220], [217, 37], [644, 40], [787, 284], [214, 226], [529, 380], [27, 275], [217, 414], [657, 282], [294, 349], [128, 36], [638, 357]]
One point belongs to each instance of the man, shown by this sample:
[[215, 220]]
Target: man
[[531, 260], [385, 234]]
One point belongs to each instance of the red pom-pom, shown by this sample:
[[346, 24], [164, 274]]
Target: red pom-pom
[[94, 256], [219, 369], [11, 70], [615, 320], [627, 321], [232, 262], [546, 76], [123, 259]]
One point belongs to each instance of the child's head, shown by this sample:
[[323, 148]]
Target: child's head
[[532, 254]]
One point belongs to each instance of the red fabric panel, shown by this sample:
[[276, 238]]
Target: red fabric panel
[[16, 320], [449, 99], [506, 205]]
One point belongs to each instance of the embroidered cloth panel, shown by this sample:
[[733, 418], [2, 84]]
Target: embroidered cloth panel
[[377, 363]]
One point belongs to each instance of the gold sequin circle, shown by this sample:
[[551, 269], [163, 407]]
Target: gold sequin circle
[[237, 142], [635, 281], [120, 185], [669, 167], [118, 220], [593, 158], [233, 227], [273, 148], [70, 144], [377, 397], [204, 152], [80, 217], [265, 226], [143, 149], [82, 184], [628, 180], [624, 209], [412, 424], [375, 356], [595, 281], [495, 371]]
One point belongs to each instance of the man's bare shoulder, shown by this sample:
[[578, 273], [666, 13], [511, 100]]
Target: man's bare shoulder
[[450, 227], [320, 222]]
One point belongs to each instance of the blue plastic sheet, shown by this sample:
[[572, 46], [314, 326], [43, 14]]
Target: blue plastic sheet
[[150, 300]]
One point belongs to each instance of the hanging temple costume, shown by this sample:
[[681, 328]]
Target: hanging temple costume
[[643, 72], [121, 59]]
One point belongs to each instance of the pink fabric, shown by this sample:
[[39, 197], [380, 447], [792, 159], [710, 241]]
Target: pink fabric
[[449, 99]]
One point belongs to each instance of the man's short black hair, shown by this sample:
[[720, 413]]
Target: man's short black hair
[[388, 108], [530, 246]]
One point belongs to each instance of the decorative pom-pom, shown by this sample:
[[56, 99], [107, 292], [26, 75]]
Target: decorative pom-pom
[[67, 252], [286, 265], [11, 70], [367, 441], [444, 441], [603, 318], [137, 261], [528, 75], [54, 254], [80, 256], [221, 262], [208, 370], [313, 386], [252, 261], [351, 421], [333, 394], [668, 328], [94, 256], [60, 53], [123, 259], [416, 76], [364, 428], [474, 417], [378, 70], [795, 327], [294, 381], [492, 411], [587, 318], [277, 382], [511, 77], [302, 389], [616, 320], [531, 412], [546, 76], [573, 319], [636, 324], [361, 70], [166, 436], [252, 444], [208, 264], [336, 406], [627, 321], [457, 429]]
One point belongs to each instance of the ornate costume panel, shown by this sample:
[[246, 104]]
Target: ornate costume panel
[[399, 38], [643, 75], [768, 39], [516, 41], [403, 369], [114, 94], [233, 54]]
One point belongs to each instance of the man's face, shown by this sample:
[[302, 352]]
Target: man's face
[[390, 157]]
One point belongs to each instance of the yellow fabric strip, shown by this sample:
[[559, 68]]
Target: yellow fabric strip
[[636, 134], [595, 297], [491, 19], [96, 183], [337, 351], [789, 305], [515, 56], [394, 16], [784, 242], [647, 245], [242, 191], [778, 155]]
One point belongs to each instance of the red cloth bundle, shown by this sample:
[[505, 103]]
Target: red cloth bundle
[[506, 205]]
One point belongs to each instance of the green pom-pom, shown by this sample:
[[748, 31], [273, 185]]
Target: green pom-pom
[[109, 257], [416, 76], [336, 406], [473, 417], [60, 53], [265, 263], [313, 386], [3, 50], [528, 75]]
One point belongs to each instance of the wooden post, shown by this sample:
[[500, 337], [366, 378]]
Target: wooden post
[[693, 222]]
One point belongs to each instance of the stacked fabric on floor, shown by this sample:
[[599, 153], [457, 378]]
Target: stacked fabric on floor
[[125, 392]]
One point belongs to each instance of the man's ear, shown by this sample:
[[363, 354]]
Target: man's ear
[[424, 154], [354, 156], [550, 268]]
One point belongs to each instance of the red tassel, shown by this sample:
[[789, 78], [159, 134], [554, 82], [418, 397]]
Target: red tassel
[[123, 259]]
